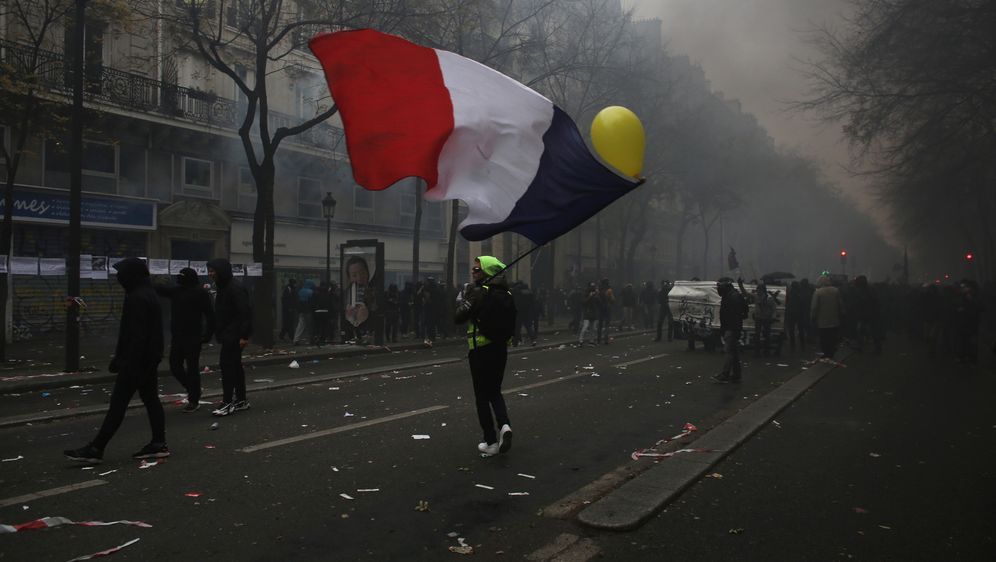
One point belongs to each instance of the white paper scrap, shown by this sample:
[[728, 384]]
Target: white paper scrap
[[346, 496], [527, 476], [485, 487], [420, 437]]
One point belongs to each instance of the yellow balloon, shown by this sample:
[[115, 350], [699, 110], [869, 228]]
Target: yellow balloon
[[618, 137]]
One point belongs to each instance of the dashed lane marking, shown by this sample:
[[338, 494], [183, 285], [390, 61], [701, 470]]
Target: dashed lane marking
[[637, 361], [340, 429], [51, 492]]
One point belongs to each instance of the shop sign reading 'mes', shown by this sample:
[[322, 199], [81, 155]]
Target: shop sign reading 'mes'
[[51, 206]]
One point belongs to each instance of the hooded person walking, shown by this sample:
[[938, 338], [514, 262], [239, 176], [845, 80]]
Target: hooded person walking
[[489, 311], [136, 360], [191, 325], [233, 326]]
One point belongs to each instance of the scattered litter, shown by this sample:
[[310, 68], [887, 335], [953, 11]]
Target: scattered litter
[[108, 472], [530, 476], [304, 425], [687, 429], [782, 364], [737, 531], [264, 380], [193, 494], [146, 464], [87, 468], [595, 374], [886, 527], [209, 447], [422, 506], [671, 454], [715, 475], [215, 425], [859, 510], [348, 415], [453, 534], [776, 424], [417, 437], [523, 394], [17, 458], [294, 364], [46, 394], [688, 382], [442, 424], [518, 493], [206, 369], [562, 346], [368, 490], [874, 455], [333, 388], [464, 548], [485, 487], [345, 496], [334, 469], [46, 522]]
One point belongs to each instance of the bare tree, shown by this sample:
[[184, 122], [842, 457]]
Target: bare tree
[[254, 43], [32, 96]]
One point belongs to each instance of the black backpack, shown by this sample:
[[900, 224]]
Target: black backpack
[[496, 315]]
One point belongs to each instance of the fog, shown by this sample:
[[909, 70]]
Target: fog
[[754, 50]]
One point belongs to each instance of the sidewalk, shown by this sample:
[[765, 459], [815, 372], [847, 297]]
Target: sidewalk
[[36, 365]]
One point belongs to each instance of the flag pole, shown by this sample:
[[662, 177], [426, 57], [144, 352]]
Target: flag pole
[[515, 261]]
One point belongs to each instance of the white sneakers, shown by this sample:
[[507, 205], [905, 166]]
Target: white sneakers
[[487, 450], [502, 446], [504, 439]]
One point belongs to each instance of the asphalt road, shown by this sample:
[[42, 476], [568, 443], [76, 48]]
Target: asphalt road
[[269, 482]]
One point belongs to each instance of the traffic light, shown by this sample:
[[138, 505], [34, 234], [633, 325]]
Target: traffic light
[[843, 254], [969, 257]]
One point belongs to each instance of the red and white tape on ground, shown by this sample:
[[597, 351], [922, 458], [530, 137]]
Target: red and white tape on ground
[[686, 430], [46, 522], [105, 552]]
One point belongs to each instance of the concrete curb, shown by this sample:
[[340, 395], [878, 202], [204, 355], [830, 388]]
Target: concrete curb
[[640, 498], [14, 421]]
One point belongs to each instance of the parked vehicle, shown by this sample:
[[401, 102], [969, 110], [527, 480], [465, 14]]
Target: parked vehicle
[[695, 310]]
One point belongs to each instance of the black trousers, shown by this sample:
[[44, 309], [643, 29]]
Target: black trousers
[[233, 375], [145, 382], [828, 341], [184, 359], [665, 317], [487, 368]]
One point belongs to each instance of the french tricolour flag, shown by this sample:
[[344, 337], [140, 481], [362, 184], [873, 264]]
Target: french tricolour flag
[[472, 133]]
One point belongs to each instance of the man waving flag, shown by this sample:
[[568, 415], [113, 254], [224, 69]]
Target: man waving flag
[[472, 133]]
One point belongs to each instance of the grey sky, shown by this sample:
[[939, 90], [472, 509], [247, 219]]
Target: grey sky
[[748, 50]]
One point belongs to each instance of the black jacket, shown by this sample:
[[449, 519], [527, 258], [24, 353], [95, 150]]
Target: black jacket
[[140, 335], [191, 312], [232, 311], [731, 311]]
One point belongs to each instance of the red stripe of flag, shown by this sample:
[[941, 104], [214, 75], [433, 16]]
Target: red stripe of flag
[[394, 105]]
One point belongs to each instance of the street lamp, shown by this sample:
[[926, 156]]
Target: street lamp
[[328, 211]]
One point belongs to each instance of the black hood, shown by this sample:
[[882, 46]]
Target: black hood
[[222, 271], [132, 272], [187, 277]]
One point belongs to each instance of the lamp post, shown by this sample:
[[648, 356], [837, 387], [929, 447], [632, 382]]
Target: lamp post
[[328, 211]]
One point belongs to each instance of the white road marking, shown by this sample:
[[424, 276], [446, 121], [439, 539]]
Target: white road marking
[[340, 429], [51, 492], [637, 361], [544, 383]]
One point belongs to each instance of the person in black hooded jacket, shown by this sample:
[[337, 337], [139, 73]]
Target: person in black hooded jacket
[[136, 360], [191, 325], [233, 326]]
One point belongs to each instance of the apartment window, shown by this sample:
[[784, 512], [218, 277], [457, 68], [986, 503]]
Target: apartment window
[[197, 176], [407, 202], [363, 199], [246, 190], [100, 165], [309, 198]]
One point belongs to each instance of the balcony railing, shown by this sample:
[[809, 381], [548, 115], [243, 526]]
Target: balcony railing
[[139, 93]]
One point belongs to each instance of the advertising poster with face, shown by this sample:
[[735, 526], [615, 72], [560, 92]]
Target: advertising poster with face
[[362, 286]]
